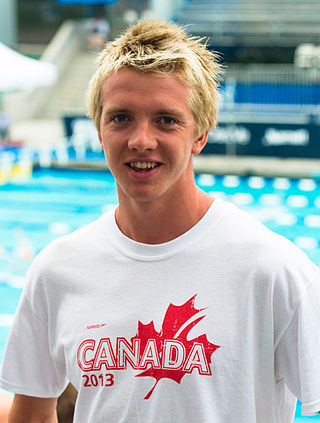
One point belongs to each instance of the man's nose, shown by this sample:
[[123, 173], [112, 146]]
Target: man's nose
[[142, 138]]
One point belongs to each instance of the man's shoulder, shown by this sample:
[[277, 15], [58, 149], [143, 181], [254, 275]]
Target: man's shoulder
[[269, 259], [242, 227], [74, 246], [243, 232]]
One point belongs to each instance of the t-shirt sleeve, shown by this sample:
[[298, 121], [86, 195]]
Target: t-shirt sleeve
[[297, 355], [28, 367]]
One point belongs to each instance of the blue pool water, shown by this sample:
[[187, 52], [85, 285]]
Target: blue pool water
[[54, 202]]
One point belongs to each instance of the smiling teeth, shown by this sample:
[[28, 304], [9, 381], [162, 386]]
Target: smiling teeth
[[143, 165]]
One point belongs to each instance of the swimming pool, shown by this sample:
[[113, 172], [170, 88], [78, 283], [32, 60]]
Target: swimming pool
[[54, 202]]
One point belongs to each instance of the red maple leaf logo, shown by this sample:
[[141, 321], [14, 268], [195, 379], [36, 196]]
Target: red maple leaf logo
[[175, 354]]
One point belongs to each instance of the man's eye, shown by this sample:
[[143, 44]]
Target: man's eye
[[167, 120], [119, 118]]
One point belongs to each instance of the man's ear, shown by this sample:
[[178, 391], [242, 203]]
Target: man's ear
[[200, 142], [100, 140]]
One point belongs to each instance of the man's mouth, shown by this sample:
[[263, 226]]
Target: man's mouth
[[143, 166]]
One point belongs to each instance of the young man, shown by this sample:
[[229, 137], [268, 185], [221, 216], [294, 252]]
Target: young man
[[175, 307]]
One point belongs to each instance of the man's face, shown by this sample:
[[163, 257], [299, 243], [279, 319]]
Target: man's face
[[147, 133]]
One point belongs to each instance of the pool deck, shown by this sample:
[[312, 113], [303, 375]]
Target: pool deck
[[43, 133], [260, 166]]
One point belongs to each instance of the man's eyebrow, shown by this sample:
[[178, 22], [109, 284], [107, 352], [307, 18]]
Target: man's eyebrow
[[112, 110], [170, 112]]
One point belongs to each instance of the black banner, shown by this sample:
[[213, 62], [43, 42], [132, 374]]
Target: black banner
[[287, 140]]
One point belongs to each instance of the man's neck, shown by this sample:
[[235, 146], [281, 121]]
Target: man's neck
[[162, 221]]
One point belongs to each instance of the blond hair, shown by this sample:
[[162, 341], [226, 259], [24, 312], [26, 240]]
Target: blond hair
[[160, 47]]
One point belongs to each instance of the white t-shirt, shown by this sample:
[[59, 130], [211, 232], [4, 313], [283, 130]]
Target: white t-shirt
[[220, 325]]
